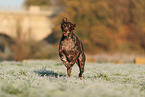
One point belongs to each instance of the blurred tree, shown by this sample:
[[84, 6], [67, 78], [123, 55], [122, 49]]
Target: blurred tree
[[28, 3], [88, 15], [105, 24], [137, 7]]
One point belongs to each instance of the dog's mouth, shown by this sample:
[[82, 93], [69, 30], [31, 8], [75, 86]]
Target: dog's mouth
[[65, 33]]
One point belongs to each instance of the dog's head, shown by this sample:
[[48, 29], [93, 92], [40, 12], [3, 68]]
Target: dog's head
[[67, 27]]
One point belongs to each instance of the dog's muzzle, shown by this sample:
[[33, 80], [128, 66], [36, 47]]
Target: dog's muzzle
[[66, 33]]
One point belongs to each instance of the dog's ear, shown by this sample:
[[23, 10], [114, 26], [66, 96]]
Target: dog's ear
[[64, 19], [74, 25]]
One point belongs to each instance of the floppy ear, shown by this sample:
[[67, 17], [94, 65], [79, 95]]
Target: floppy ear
[[64, 19], [74, 25]]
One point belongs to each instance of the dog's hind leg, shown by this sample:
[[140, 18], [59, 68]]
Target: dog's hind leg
[[81, 63]]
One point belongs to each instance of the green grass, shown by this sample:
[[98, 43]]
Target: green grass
[[49, 79]]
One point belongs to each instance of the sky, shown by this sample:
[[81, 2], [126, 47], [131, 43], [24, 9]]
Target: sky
[[11, 4]]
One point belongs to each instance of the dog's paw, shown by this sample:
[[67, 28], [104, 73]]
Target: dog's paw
[[80, 78], [68, 66], [70, 63]]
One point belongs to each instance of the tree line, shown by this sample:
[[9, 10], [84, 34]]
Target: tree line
[[103, 25]]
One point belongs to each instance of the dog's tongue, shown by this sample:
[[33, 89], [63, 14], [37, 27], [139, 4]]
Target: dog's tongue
[[65, 34]]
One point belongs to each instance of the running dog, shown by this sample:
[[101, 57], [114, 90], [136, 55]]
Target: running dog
[[71, 48]]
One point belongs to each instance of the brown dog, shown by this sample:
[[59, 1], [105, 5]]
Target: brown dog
[[71, 49]]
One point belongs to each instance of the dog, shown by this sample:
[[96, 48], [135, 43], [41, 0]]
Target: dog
[[71, 49]]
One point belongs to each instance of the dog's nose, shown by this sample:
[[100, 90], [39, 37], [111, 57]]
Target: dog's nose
[[65, 28]]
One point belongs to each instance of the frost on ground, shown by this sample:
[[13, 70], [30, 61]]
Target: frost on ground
[[49, 79]]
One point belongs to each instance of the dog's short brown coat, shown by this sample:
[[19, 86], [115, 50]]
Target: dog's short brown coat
[[71, 48]]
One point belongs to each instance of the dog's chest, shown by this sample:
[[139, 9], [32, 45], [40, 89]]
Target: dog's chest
[[68, 44]]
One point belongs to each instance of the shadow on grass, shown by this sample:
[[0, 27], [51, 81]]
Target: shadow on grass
[[49, 73]]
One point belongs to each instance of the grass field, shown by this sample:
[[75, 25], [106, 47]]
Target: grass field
[[48, 79]]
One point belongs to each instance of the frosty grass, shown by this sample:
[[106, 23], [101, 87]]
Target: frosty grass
[[49, 79]]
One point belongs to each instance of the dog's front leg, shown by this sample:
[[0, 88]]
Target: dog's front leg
[[75, 58], [64, 59], [66, 63]]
